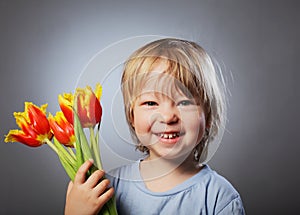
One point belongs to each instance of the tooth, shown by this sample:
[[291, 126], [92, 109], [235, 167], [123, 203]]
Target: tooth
[[168, 136]]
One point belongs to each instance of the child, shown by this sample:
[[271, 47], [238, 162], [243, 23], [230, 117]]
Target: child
[[175, 108]]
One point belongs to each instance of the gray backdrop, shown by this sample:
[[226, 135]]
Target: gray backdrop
[[45, 46]]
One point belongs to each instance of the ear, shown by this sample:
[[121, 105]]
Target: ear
[[208, 125], [132, 123]]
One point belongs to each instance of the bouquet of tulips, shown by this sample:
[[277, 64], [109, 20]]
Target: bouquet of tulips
[[64, 133]]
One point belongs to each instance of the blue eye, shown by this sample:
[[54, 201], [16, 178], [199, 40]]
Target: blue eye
[[185, 103]]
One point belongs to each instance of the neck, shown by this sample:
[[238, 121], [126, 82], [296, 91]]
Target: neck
[[155, 168]]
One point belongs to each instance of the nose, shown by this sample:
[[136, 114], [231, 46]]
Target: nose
[[168, 114]]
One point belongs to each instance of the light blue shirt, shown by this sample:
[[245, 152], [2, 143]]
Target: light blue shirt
[[205, 193]]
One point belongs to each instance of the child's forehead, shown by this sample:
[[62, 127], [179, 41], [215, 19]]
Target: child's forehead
[[158, 75], [160, 84], [159, 78], [162, 76], [156, 82]]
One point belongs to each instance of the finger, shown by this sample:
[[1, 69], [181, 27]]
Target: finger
[[101, 187], [106, 196], [80, 176], [70, 185], [94, 179]]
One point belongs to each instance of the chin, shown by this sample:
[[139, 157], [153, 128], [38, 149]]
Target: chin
[[172, 155]]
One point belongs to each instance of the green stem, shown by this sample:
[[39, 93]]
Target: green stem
[[109, 208], [71, 152], [68, 163], [79, 156], [64, 152], [112, 206], [52, 146], [70, 170], [95, 148]]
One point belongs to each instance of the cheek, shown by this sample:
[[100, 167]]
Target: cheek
[[197, 125], [138, 127], [142, 129], [140, 122]]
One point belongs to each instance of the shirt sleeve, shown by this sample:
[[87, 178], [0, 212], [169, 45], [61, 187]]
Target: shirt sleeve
[[234, 207]]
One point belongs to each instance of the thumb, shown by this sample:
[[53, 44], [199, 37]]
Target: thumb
[[69, 188]]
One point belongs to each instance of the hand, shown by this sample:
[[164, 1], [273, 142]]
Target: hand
[[86, 197]]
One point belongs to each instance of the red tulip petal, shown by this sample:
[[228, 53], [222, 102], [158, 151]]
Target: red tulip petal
[[22, 138], [38, 119], [62, 129]]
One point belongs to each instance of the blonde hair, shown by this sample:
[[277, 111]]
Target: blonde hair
[[191, 66]]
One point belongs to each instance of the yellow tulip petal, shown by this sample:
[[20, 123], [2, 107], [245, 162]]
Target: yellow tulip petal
[[10, 137], [98, 91], [21, 119], [66, 98]]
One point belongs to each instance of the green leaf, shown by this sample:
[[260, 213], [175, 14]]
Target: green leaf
[[95, 147], [79, 133], [64, 152], [70, 170], [79, 156]]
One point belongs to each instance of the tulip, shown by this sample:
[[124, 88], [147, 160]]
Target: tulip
[[62, 129], [88, 105], [66, 101], [35, 128]]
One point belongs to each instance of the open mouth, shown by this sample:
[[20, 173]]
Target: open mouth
[[168, 135]]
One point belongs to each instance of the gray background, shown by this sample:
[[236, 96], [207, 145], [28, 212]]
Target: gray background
[[45, 45]]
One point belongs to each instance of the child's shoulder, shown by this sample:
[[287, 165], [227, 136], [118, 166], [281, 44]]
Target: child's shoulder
[[216, 183], [221, 191]]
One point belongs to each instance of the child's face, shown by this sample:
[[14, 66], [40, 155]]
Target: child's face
[[166, 121]]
